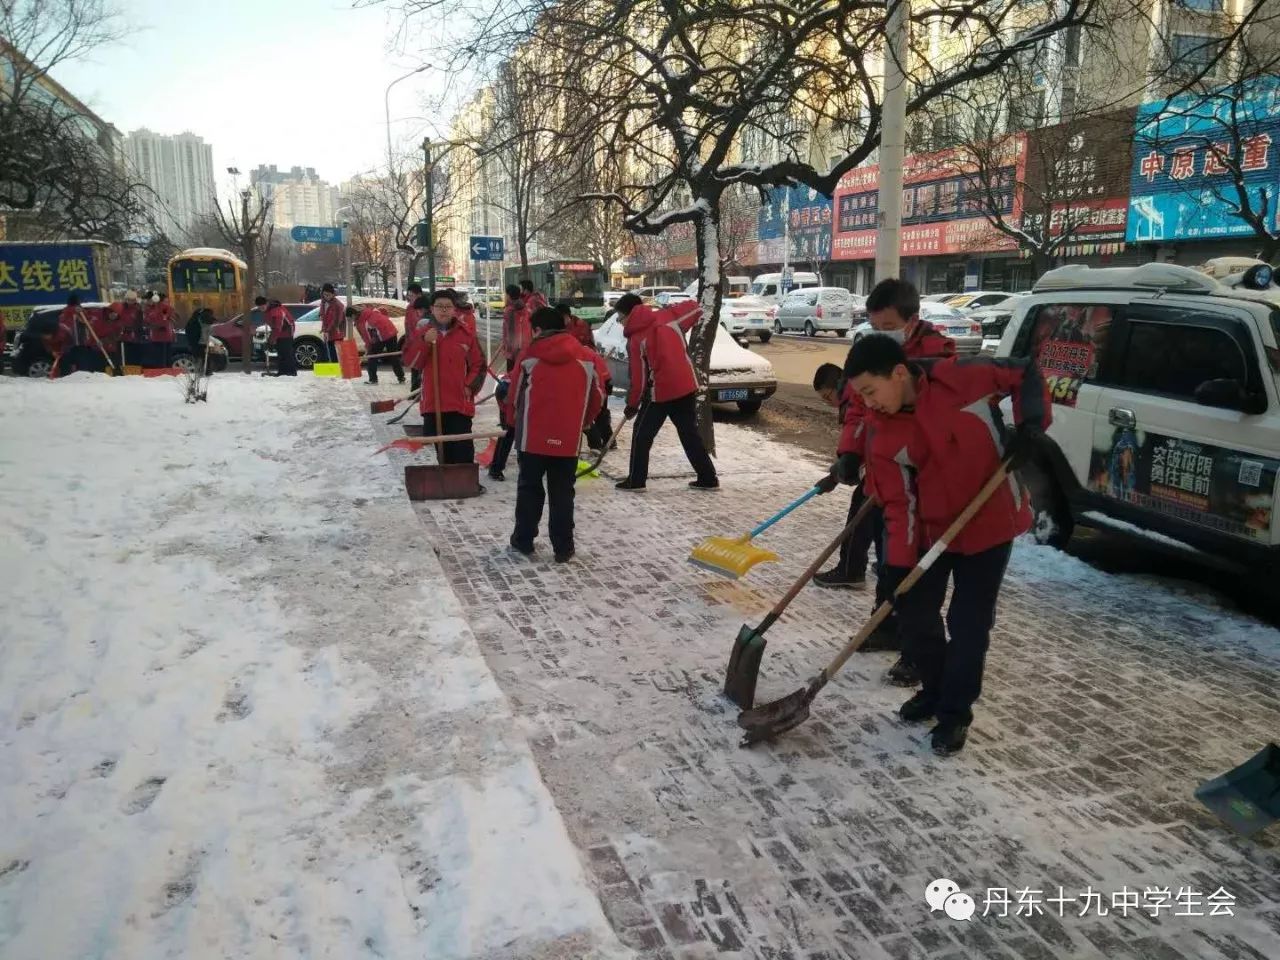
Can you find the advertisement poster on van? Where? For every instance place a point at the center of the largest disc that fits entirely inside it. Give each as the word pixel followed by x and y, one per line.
pixel 1067 341
pixel 1226 490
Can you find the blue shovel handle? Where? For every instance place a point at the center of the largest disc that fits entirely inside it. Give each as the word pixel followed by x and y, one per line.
pixel 809 495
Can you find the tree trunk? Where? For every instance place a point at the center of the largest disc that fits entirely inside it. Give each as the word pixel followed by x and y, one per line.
pixel 1269 247
pixel 703 335
pixel 251 287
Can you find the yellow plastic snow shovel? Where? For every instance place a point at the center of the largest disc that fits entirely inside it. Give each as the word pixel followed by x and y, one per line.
pixel 735 556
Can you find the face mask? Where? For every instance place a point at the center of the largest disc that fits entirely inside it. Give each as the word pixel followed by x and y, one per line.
pixel 897 336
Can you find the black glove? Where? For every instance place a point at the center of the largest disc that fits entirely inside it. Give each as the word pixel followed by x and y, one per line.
pixel 846 468
pixel 1024 443
pixel 828 483
pixel 630 412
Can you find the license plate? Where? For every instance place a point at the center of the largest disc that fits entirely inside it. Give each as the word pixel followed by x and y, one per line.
pixel 733 394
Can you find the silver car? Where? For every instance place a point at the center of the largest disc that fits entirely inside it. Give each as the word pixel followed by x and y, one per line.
pixel 816 308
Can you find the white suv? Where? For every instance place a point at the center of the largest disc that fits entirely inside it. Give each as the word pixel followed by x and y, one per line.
pixel 1166 405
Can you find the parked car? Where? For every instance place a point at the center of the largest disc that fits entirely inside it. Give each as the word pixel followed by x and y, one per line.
pixel 668 297
pixel 940 297
pixel 308 340
pixel 737 375
pixel 611 298
pixel 1166 406
pixel 31 359
pixel 975 299
pixel 231 331
pixel 733 286
pixel 746 316
pixel 994 319
pixel 649 294
pixel 966 333
pixel 812 309
pixel 768 286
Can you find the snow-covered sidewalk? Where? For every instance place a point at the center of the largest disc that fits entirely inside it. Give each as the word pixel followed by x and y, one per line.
pixel 242 713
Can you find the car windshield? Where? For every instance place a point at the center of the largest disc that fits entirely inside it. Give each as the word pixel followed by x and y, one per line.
pixel 311 315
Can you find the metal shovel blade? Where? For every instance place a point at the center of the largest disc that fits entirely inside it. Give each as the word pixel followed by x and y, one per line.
pixel 382 406
pixel 1246 799
pixel 770 719
pixel 744 667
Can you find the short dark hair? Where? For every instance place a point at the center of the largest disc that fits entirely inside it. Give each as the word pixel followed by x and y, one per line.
pixel 527 285
pixel 564 308
pixel 259 301
pixel 420 303
pixel 547 318
pixel 875 354
pixel 415 288
pixel 896 294
pixel 627 302
pixel 513 290
pixel 352 312
pixel 328 288
pixel 73 300
pixel 443 295
pixel 827 377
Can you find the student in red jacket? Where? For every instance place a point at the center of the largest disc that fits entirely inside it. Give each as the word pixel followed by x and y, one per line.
pixel 516 332
pixel 72 341
pixel 462 373
pixel 158 318
pixel 555 393
pixel 132 330
pixel 936 438
pixel 576 327
pixel 663 384
pixel 333 326
pixel 280 320
pixel 533 300
pixel 378 331
pixel 466 311
pixel 417 318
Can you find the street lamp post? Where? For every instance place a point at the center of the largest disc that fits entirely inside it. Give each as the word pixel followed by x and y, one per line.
pixel 386 102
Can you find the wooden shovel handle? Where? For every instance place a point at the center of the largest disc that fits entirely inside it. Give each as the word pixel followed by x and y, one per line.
pixel 814 567
pixel 882 612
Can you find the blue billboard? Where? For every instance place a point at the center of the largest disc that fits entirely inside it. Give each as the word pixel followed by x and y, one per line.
pixel 36 274
pixel 1186 154
pixel 810 214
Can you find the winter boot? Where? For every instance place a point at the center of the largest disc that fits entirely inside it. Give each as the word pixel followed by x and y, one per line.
pixel 837 579
pixel 949 738
pixel 917 709
pixel 713 484
pixel 628 485
pixel 902 674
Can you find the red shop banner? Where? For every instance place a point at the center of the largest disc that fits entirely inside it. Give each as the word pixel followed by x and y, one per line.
pixel 942 206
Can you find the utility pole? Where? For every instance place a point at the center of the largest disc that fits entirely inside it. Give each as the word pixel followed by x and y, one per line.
pixel 893 138
pixel 429 192
pixel 785 284
pixel 250 247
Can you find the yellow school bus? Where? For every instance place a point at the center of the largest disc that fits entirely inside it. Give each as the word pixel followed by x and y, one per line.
pixel 208 277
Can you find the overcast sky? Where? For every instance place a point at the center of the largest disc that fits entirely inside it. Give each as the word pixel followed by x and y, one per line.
pixel 289 82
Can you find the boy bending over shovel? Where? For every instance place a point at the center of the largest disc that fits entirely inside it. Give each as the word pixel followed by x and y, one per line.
pixel 936 438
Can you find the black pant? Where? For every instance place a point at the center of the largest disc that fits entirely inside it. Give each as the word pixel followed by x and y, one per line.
pixel 331 350
pixel 502 451
pixel 652 416
pixel 415 379
pixel 560 474
pixel 455 451
pixel 286 359
pixel 951 671
pixel 601 428
pixel 384 346
pixel 854 550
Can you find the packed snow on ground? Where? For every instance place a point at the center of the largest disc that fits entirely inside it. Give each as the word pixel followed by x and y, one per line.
pixel 241 711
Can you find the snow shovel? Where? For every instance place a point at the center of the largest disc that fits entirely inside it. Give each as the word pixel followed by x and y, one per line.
pixel 592 468
pixel 778 716
pixel 748 649
pixel 734 557
pixel 1246 799
pixel 386 406
pixel 111 364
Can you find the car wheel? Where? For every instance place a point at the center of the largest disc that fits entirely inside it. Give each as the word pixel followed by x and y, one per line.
pixel 809 329
pixel 777 326
pixel 749 408
pixel 307 353
pixel 1051 521
pixel 765 336
pixel 184 362
pixel 39 368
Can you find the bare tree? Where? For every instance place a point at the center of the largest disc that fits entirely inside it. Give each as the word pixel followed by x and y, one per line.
pixel 241 231
pixel 60 166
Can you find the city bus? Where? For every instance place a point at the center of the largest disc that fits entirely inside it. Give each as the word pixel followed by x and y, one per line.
pixel 209 277
pixel 580 282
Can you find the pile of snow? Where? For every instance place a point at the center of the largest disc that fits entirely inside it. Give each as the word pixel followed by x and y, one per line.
pixel 242 712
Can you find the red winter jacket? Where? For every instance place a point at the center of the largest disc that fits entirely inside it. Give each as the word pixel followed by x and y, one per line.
pixel 71 331
pixel 462 370
pixel 467 317
pixel 580 330
pixel 131 327
pixel 280 321
pixel 333 320
pixel 375 326
pixel 923 344
pixel 159 320
pixel 106 326
pixel 657 352
pixel 533 301
pixel 516 330
pixel 929 462
pixel 556 392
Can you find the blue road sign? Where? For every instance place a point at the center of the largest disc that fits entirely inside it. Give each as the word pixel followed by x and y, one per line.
pixel 486 248
pixel 316 234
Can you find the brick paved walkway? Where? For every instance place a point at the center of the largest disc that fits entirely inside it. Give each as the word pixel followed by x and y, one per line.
pixel 1107 701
